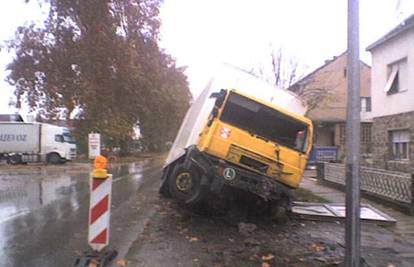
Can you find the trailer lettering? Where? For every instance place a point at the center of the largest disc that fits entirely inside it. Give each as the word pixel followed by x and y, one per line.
pixel 13 137
pixel 21 137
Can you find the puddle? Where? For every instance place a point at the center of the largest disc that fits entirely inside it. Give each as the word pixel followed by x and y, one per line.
pixel 20 194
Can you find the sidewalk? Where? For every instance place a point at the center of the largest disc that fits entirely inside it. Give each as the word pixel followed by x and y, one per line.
pixel 402 232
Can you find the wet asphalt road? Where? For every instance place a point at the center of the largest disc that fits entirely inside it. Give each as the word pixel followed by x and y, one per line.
pixel 44 216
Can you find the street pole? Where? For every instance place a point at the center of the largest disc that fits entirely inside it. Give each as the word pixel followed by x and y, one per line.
pixel 352 227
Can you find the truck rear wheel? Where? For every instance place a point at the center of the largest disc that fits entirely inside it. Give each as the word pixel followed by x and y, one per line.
pixel 183 183
pixel 15 159
pixel 53 158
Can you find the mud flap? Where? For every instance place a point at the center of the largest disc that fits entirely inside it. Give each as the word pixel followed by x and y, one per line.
pixel 95 258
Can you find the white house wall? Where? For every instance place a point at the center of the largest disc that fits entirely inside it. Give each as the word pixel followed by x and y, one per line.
pixel 383 55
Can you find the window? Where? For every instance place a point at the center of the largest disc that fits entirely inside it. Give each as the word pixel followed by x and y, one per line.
pixel 400 141
pixel 342 133
pixel 366 133
pixel 397 77
pixel 366 104
pixel 58 138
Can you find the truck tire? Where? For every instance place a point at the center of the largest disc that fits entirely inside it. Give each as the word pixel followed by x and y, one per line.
pixel 53 158
pixel 15 159
pixel 184 184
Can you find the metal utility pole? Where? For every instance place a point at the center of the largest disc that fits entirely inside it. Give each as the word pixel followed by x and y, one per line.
pixel 352 227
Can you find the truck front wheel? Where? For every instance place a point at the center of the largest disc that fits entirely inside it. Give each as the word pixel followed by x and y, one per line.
pixel 53 158
pixel 183 183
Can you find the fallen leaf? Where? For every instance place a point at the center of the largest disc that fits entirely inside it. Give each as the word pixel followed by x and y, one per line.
pixel 252 258
pixel 193 239
pixel 317 247
pixel 122 263
pixel 321 259
pixel 268 257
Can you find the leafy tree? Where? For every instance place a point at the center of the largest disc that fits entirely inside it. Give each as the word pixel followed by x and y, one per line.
pixel 99 60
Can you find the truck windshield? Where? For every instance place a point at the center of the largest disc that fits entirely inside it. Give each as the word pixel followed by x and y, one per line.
pixel 68 138
pixel 264 122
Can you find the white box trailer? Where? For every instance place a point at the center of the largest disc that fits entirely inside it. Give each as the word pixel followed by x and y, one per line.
pixel 22 142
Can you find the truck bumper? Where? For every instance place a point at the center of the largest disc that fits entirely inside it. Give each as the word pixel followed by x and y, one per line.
pixel 218 173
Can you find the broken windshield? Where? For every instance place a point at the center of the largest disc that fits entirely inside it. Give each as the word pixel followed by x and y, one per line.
pixel 264 122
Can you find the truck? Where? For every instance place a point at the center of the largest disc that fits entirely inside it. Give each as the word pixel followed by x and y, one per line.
pixel 22 142
pixel 232 139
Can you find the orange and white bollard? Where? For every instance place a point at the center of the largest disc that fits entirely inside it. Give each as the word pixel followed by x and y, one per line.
pixel 99 211
pixel 100 188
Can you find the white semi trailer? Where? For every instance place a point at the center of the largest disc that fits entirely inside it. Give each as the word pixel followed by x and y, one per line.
pixel 22 142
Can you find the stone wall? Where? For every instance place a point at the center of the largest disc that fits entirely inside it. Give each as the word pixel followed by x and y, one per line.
pixel 382 146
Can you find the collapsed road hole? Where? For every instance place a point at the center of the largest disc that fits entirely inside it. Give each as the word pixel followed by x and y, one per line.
pixel 233 205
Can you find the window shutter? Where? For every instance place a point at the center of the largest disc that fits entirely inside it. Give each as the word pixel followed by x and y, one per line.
pixel 400 137
pixel 391 79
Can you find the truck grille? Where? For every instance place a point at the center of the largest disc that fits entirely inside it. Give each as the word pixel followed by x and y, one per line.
pixel 248 159
pixel 252 163
pixel 72 153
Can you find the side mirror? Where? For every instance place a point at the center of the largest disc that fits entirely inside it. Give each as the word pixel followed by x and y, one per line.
pixel 219 96
pixel 213 115
pixel 300 139
pixel 215 95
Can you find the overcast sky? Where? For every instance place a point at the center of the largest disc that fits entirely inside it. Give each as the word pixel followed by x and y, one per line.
pixel 200 34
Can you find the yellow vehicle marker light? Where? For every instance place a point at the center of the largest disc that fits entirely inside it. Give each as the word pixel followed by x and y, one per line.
pixel 100 173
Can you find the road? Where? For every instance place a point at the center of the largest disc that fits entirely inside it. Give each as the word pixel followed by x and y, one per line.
pixel 44 213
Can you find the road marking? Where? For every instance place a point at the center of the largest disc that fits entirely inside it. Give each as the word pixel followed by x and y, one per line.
pixel 16 215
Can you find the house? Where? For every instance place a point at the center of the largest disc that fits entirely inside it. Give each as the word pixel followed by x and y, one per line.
pixel 393 98
pixel 325 92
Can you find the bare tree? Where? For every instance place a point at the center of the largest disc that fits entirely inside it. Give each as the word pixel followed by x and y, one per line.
pixel 285 69
pixel 282 70
pixel 313 92
pixel 286 72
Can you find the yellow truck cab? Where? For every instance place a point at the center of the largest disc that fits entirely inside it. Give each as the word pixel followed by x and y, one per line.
pixel 231 139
